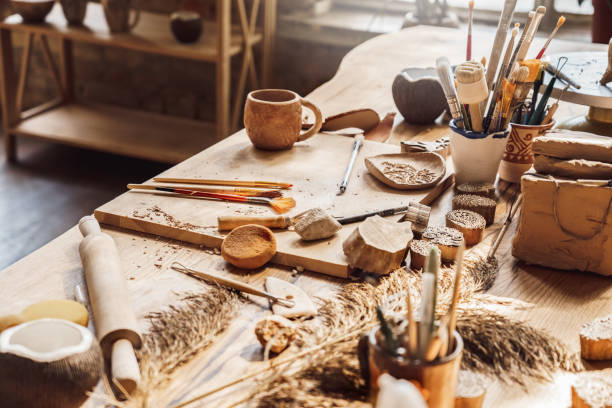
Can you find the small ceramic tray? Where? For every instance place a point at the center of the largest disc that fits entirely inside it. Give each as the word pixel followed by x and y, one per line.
pixel 407 171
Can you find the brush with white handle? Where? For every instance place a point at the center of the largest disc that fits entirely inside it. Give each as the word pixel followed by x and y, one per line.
pixel 444 73
pixel 533 28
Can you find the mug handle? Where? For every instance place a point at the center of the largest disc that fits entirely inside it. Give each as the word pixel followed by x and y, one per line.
pixel 314 129
pixel 136 18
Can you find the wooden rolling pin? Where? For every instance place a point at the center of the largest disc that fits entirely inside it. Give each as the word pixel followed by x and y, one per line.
pixel 116 325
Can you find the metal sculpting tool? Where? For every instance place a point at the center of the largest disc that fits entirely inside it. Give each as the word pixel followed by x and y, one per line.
pixel 356 146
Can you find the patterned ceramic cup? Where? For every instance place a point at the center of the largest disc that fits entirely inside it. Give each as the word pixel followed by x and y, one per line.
pixel 518 156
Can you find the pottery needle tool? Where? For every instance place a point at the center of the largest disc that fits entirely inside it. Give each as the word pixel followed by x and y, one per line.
pixel 553 108
pixel 349 168
pixel 230 283
pixel 416 213
pixel 428 300
pixel 472 90
pixel 538 114
pixel 562 77
pixel 550 37
pixel 500 39
pixel 533 28
pixel 234 183
pixel 444 73
pixel 468 53
pixel 452 313
pixel 280 205
pixel 247 192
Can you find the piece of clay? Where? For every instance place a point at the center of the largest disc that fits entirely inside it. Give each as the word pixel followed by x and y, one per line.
pixel 303 306
pixel 52 309
pixel 275 332
pixel 249 246
pixel 377 245
pixel 418 95
pixel 316 224
pixel 447 239
pixel 607 76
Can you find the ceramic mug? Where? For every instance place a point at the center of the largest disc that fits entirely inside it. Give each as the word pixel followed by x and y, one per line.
pixel 273 118
pixel 117 13
pixel 74 10
pixel 518 155
pixel 476 156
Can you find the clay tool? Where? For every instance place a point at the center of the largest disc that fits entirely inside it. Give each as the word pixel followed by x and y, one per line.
pixel 234 183
pixel 550 37
pixel 280 205
pixel 116 325
pixel 553 108
pixel 283 289
pixel 444 73
pixel 500 77
pixel 564 78
pixel 468 53
pixel 500 39
pixel 531 31
pixel 472 90
pixel 356 146
pixel 48 309
pixel 416 213
pixel 534 96
pixel 512 61
pixel 538 114
pixel 428 300
pixel 247 192
pixel 231 283
pixel 452 313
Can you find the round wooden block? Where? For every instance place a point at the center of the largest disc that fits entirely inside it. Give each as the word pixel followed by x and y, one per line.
pixel 249 246
pixel 469 223
pixel 481 205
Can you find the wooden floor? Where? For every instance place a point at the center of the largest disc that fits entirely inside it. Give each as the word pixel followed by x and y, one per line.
pixel 52 186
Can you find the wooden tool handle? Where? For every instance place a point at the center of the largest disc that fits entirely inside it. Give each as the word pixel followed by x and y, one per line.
pixel 230 222
pixel 89 226
pixel 124 365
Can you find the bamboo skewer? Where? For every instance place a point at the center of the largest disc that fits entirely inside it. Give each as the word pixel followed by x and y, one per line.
pixel 235 183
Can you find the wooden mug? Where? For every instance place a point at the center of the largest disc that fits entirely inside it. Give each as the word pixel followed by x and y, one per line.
pixel 273 118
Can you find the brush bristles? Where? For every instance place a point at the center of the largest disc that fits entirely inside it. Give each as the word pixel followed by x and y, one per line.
pixel 282 204
pixel 444 73
pixel 561 21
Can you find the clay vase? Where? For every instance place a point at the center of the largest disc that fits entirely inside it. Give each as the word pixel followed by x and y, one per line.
pixel 273 118
pixel 518 156
pixel 117 13
pixel 74 10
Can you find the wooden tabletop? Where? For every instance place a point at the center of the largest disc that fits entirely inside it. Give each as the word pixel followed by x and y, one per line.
pixel 563 300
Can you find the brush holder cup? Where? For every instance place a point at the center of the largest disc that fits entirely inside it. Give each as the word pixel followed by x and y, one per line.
pixel 476 156
pixel 518 155
pixel 438 377
pixel 273 118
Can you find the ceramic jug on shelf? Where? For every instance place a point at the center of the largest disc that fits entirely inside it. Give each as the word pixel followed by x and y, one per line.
pixel 117 13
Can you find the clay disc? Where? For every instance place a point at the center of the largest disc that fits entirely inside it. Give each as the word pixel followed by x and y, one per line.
pixel 249 246
pixel 407 171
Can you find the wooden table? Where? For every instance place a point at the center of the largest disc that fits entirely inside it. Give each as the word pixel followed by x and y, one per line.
pixel 563 300
pixel 125 131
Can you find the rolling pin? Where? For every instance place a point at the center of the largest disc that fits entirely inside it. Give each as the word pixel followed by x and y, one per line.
pixel 116 325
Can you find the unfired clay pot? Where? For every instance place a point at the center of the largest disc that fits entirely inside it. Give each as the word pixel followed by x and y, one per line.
pixel 74 10
pixel 117 13
pixel 273 118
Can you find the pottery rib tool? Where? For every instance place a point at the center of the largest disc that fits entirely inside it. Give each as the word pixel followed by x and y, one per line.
pixel 500 39
pixel 416 213
pixel 280 204
pixel 472 90
pixel 550 37
pixel 232 284
pixel 444 73
pixel 247 192
pixel 48 309
pixel 356 146
pixel 468 53
pixel 283 289
pixel 235 183
pixel 531 31
pixel 116 324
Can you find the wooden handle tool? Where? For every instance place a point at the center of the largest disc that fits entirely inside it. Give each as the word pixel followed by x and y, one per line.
pixel 227 223
pixel 472 90
pixel 116 324
pixel 500 39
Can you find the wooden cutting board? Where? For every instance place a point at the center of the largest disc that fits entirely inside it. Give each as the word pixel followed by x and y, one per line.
pixel 315 167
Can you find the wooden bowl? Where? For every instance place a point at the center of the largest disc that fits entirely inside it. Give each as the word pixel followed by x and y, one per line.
pixel 249 246
pixel 407 171
pixel 33 11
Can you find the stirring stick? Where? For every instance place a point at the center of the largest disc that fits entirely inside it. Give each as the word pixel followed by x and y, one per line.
pixel 468 54
pixel 550 37
pixel 533 28
pixel 500 39
pixel 452 320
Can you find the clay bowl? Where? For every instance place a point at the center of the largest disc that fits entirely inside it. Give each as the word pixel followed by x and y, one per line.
pixel 394 170
pixel 33 11
pixel 249 246
pixel 186 26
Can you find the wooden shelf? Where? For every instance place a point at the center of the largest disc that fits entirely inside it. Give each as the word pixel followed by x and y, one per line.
pixel 121 131
pixel 151 35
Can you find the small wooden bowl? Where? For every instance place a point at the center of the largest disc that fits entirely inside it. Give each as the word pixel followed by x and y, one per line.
pixel 33 11
pixel 432 162
pixel 249 246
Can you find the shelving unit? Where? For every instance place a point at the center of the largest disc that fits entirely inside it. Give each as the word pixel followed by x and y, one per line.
pixel 127 131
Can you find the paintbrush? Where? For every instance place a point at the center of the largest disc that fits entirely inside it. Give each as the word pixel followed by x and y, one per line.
pixel 428 300
pixel 280 205
pixel 534 96
pixel 468 53
pixel 550 37
pixel 452 313
pixel 533 28
pixel 472 90
pixel 444 73
pixel 553 109
pixel 500 39
pixel 247 192
pixel 521 88
pixel 538 114
pixel 519 44
pixel 236 183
